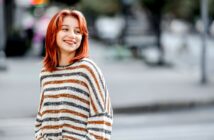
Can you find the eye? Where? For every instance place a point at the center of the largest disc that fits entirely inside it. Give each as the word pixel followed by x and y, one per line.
pixel 64 29
pixel 77 31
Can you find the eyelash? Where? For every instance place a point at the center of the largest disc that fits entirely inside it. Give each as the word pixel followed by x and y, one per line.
pixel 64 29
pixel 75 31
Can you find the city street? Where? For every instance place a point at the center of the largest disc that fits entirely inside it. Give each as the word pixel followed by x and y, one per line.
pixel 156 60
pixel 131 83
pixel 196 124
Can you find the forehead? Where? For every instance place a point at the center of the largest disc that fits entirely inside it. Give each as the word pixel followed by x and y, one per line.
pixel 70 21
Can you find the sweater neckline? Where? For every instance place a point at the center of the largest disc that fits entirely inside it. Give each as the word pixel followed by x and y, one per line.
pixel 65 66
pixel 69 65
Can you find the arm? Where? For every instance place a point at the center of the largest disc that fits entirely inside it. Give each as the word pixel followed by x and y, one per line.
pixel 38 121
pixel 99 125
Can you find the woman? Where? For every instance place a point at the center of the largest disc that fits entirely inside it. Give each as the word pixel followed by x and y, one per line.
pixel 74 101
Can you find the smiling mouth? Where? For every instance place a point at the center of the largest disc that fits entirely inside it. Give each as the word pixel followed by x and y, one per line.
pixel 70 42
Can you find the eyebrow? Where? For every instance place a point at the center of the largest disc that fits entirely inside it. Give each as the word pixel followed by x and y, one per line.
pixel 68 26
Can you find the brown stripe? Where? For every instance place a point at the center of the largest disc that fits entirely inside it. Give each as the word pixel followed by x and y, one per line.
pixel 65 111
pixel 38 125
pixel 93 106
pixel 39 114
pixel 66 81
pixel 93 75
pixel 64 125
pixel 40 138
pixel 98 137
pixel 41 102
pixel 100 122
pixel 67 96
pixel 69 138
pixel 109 109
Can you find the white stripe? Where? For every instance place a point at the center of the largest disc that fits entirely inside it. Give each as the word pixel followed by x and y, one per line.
pixel 59 107
pixel 71 100
pixel 92 94
pixel 75 85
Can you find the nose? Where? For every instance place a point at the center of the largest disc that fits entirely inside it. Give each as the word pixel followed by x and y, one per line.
pixel 71 33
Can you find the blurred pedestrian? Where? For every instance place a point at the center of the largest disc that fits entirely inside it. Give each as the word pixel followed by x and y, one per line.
pixel 74 100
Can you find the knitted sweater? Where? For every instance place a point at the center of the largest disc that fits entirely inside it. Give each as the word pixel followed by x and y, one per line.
pixel 74 104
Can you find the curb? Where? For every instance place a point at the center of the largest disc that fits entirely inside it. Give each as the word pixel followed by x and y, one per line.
pixel 159 107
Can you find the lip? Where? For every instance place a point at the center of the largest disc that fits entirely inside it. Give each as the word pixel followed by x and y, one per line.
pixel 70 42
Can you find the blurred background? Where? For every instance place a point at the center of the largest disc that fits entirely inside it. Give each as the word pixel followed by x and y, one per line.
pixel 157 57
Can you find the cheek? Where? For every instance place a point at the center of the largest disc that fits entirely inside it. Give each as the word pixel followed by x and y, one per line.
pixel 80 39
pixel 58 39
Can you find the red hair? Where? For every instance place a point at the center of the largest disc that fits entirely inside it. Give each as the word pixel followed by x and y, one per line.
pixel 51 60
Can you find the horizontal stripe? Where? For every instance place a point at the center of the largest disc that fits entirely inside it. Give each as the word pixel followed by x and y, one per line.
pixel 79 74
pixel 66 103
pixel 61 126
pixel 74 103
pixel 100 130
pixel 64 119
pixel 67 96
pixel 69 137
pixel 65 111
pixel 99 137
pixel 53 134
pixel 100 122
pixel 102 114
pixel 67 88
pixel 66 81
pixel 38 120
pixel 73 133
pixel 38 125
pixel 85 76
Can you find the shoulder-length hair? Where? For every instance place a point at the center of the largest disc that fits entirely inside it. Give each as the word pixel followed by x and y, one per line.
pixel 51 60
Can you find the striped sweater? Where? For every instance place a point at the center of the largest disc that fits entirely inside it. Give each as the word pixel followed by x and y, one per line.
pixel 74 104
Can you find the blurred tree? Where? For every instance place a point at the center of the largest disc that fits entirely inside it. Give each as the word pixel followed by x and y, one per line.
pixel 101 7
pixel 211 9
pixel 94 8
pixel 183 9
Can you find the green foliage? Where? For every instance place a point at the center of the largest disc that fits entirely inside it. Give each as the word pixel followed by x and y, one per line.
pixel 106 7
pixel 184 9
pixel 211 9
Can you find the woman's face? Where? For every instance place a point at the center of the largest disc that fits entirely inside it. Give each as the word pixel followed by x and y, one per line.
pixel 69 36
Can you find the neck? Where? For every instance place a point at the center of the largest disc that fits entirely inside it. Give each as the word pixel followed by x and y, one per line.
pixel 64 59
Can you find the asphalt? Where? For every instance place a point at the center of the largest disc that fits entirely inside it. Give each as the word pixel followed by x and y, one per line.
pixel 134 86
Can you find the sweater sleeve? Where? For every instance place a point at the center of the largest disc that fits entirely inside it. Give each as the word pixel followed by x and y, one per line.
pixel 38 121
pixel 100 122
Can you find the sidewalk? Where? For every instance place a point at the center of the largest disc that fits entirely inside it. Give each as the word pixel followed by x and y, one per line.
pixel 133 86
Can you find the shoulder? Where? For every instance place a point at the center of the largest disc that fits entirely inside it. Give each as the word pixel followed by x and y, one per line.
pixel 88 62
pixel 91 66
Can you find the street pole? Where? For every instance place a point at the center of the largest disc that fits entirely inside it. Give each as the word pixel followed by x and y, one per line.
pixel 2 37
pixel 204 16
